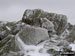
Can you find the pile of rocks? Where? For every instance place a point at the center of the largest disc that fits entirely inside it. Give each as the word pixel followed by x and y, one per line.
pixel 36 27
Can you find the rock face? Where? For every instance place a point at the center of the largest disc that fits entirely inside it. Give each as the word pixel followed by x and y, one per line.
pixel 35 17
pixel 33 35
pixel 71 37
pixel 37 28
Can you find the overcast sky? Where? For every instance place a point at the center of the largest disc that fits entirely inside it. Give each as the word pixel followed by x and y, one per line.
pixel 12 10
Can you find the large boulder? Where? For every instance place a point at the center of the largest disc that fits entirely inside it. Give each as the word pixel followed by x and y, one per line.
pixel 49 31
pixel 62 24
pixel 33 17
pixel 33 35
pixel 59 21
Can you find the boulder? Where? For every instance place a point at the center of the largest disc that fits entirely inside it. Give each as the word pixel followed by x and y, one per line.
pixel 8 44
pixel 48 32
pixel 48 25
pixel 33 17
pixel 33 35
pixel 71 36
pixel 60 22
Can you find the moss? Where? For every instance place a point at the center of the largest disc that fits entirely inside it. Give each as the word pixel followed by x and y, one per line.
pixel 28 21
pixel 11 24
pixel 58 38
pixel 15 32
pixel 1 44
pixel 7 32
pixel 37 13
pixel 4 50
pixel 1 53
pixel 2 28
pixel 8 46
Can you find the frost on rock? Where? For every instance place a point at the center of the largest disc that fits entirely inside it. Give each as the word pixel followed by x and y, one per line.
pixel 31 50
pixel 39 33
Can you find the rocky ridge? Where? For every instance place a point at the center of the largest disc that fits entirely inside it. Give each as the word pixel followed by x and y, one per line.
pixel 37 27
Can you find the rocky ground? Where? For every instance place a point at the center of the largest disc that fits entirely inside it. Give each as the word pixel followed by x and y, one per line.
pixel 51 31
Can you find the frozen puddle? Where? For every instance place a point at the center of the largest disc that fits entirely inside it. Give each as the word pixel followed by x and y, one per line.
pixel 73 47
pixel 31 50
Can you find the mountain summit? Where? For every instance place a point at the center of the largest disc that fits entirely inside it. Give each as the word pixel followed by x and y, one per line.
pixel 38 33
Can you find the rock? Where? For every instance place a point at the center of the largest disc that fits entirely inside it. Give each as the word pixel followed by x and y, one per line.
pixel 33 35
pixel 48 25
pixel 65 34
pixel 1 35
pixel 48 31
pixel 8 44
pixel 17 27
pixel 63 43
pixel 53 52
pixel 2 27
pixel 10 24
pixel 69 26
pixel 60 23
pixel 71 36
pixel 33 17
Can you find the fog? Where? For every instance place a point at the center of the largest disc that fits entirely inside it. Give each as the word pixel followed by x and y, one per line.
pixel 12 10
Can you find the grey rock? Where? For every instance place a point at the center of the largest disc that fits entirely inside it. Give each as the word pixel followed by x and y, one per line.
pixel 8 44
pixel 71 36
pixel 69 26
pixel 33 35
pixel 36 27
pixel 33 17
pixel 60 22
pixel 47 24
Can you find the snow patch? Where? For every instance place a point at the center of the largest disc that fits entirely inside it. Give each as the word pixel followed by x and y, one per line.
pixel 73 47
pixel 31 50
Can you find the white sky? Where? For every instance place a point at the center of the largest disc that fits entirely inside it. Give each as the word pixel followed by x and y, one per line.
pixel 12 10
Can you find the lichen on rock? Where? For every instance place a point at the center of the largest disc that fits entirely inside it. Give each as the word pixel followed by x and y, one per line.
pixel 39 31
